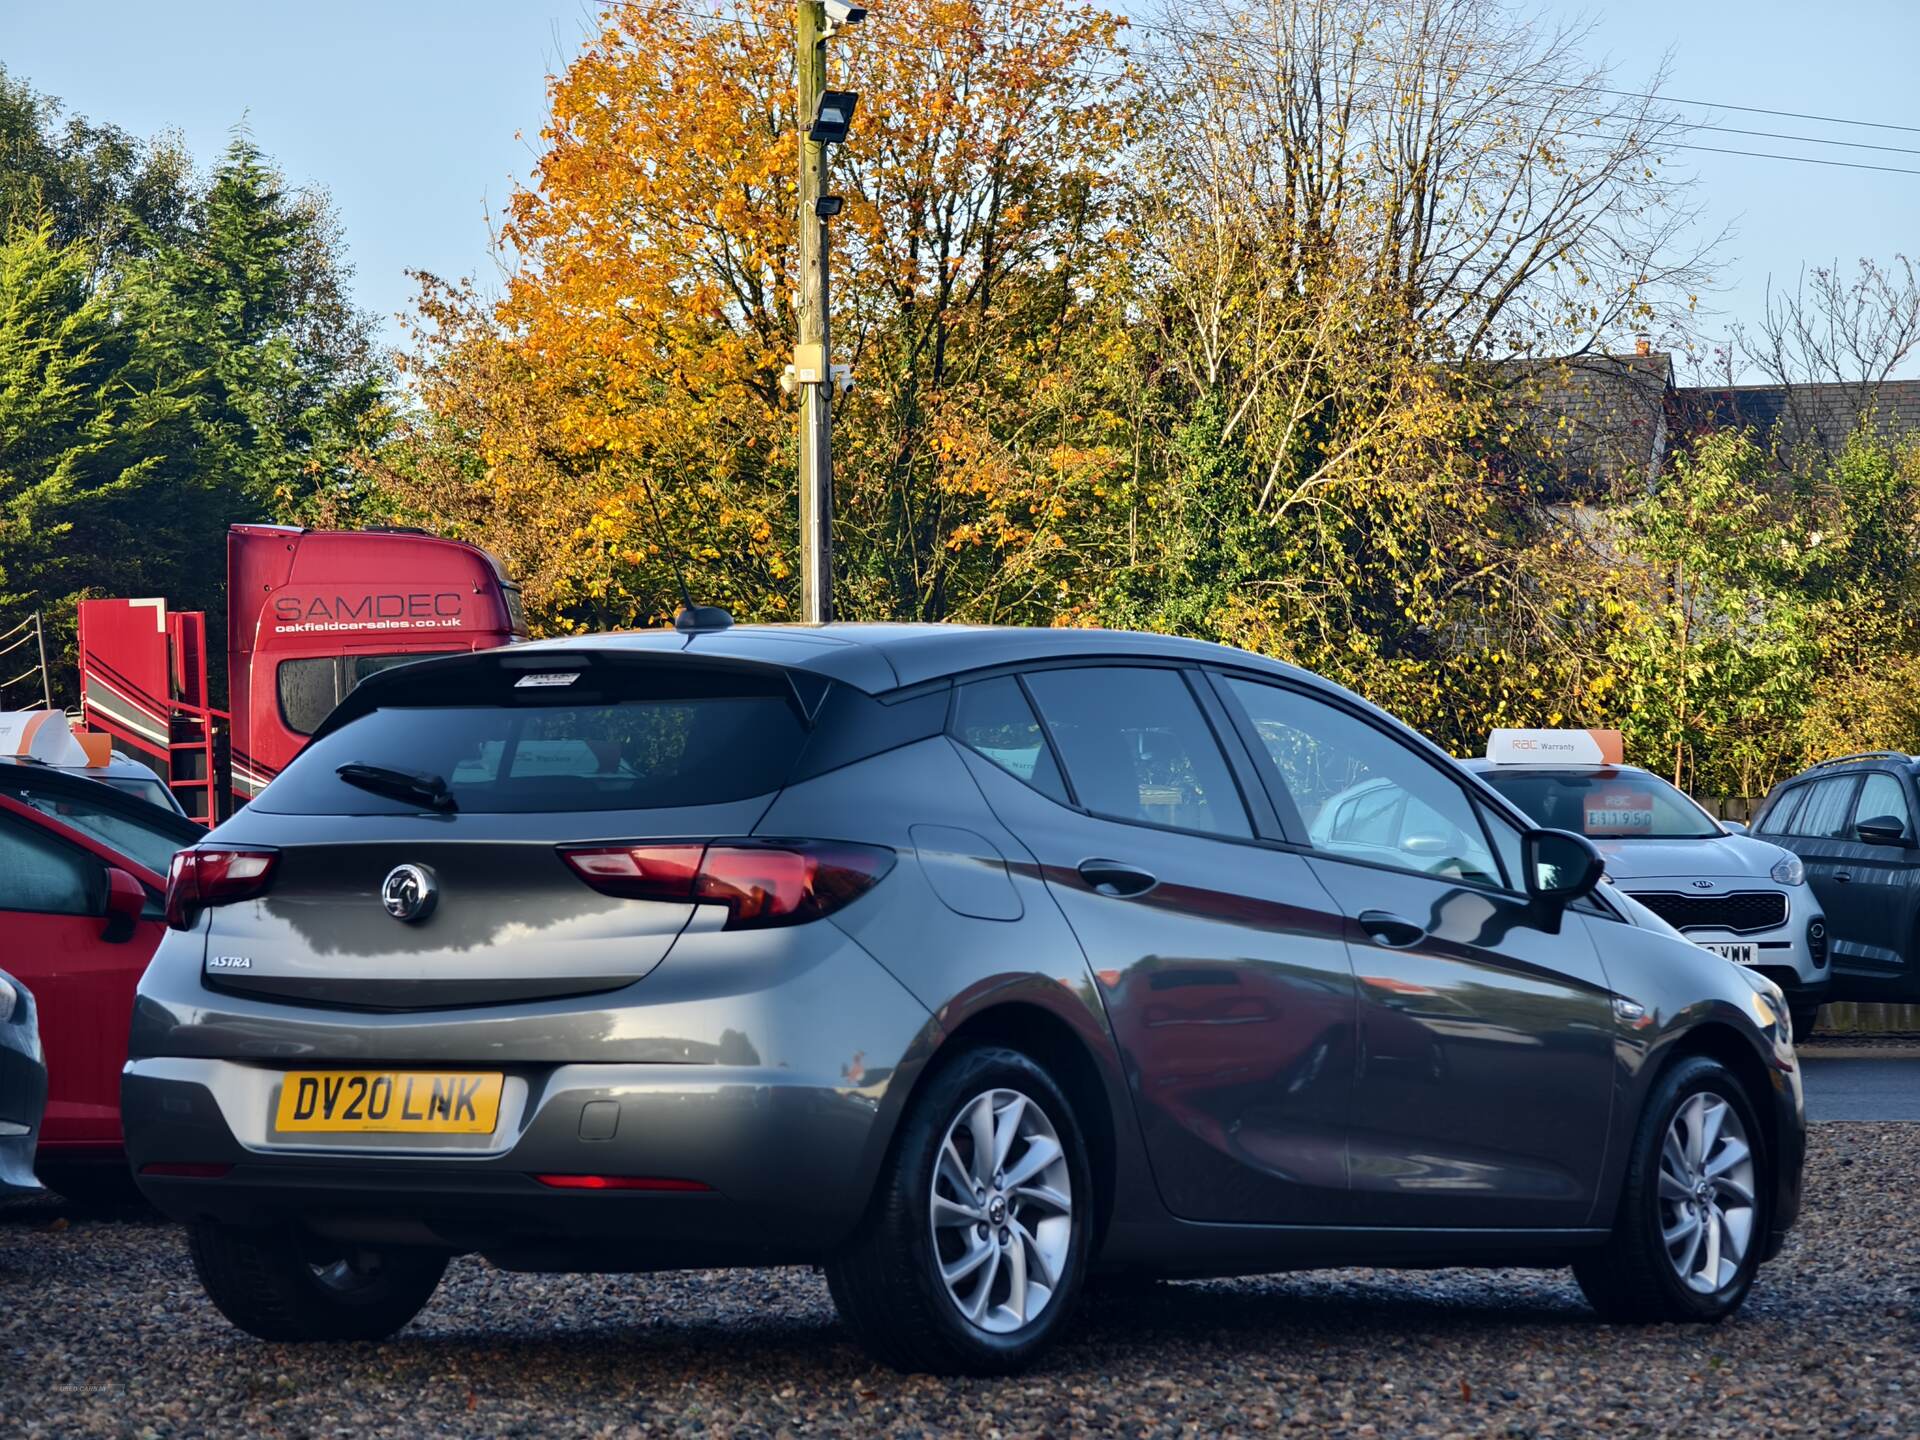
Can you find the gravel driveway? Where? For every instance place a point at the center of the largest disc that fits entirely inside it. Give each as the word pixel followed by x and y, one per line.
pixel 103 1331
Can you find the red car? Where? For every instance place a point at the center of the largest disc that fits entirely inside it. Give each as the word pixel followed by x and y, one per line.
pixel 82 873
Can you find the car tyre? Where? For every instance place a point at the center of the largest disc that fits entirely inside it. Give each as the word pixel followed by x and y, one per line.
pixel 1692 1223
pixel 276 1287
pixel 1804 1017
pixel 906 1285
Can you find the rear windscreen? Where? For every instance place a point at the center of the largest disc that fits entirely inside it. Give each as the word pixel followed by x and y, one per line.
pixel 639 751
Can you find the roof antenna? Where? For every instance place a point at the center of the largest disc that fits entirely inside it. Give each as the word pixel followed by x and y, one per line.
pixel 692 618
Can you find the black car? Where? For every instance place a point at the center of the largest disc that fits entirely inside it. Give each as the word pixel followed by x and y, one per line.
pixel 1851 822
pixel 960 962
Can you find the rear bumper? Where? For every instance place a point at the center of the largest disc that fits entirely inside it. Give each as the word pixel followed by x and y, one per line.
pixel 781 1161
pixel 1790 1132
pixel 771 1074
pixel 23 1100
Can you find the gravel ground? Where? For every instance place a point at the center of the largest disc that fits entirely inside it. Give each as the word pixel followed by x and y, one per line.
pixel 103 1331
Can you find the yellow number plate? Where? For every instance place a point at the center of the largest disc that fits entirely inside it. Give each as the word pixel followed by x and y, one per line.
pixel 390 1101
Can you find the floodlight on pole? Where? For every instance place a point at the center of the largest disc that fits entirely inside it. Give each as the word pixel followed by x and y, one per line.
pixel 833 117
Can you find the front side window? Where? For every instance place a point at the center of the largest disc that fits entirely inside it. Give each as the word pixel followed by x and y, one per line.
pixel 992 719
pixel 1137 747
pixel 1604 804
pixel 1882 797
pixel 1823 815
pixel 1362 795
pixel 42 875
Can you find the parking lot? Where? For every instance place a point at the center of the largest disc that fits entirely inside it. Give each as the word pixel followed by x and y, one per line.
pixel 103 1331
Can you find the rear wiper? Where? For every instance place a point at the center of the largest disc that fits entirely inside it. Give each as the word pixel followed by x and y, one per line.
pixel 429 790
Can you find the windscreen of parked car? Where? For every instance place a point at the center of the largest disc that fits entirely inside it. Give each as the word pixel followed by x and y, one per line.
pixel 1604 804
pixel 153 791
pixel 632 741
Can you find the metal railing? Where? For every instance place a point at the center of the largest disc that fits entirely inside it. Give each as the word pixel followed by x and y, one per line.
pixel 28 632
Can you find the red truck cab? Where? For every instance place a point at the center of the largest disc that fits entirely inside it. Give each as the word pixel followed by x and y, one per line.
pixel 310 613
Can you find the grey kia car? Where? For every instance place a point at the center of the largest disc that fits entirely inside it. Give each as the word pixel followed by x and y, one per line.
pixel 969 965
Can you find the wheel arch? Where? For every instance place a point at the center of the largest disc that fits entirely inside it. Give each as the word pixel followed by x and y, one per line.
pixel 1050 1040
pixel 1714 1040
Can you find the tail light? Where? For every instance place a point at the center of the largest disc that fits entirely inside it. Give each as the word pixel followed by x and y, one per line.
pixel 214 875
pixel 622 1182
pixel 762 885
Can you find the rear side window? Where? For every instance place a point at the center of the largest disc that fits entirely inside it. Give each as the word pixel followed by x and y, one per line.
pixel 643 741
pixel 42 875
pixel 1824 813
pixel 992 719
pixel 1136 747
pixel 308 691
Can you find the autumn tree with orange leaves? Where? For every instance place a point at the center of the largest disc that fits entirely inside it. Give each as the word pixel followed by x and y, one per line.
pixel 616 414
pixel 1199 323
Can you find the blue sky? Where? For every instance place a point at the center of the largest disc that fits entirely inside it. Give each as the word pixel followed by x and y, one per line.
pixel 406 111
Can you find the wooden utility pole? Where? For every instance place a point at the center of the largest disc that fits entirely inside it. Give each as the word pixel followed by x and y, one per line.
pixel 812 363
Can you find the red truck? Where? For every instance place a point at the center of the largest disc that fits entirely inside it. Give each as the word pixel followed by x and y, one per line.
pixel 310 613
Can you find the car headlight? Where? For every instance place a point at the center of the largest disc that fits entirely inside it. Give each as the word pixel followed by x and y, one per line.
pixel 9 1002
pixel 1788 870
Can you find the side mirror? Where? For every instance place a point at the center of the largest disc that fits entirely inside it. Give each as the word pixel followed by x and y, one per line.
pixel 1733 827
pixel 1882 830
pixel 126 899
pixel 1561 866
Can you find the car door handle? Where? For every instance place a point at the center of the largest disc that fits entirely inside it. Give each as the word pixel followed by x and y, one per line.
pixel 1843 876
pixel 1117 878
pixel 1391 930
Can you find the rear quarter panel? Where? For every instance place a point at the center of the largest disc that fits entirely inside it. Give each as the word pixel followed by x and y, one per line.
pixel 920 800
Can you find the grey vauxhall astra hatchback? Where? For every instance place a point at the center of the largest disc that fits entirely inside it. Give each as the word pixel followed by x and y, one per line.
pixel 969 965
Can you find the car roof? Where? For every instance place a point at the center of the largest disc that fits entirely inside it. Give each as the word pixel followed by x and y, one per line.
pixel 116 765
pixel 1870 759
pixel 881 657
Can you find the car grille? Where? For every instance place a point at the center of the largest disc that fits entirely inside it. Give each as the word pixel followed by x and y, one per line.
pixel 1741 911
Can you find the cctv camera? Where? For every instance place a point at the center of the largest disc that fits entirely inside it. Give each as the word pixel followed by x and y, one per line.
pixel 840 13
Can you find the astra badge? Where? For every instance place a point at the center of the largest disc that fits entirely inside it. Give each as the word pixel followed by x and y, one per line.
pixel 408 892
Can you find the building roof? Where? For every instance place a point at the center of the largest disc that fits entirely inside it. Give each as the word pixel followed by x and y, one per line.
pixel 1596 418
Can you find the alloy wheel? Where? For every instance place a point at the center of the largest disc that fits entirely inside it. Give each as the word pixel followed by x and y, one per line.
pixel 346 1274
pixel 1706 1193
pixel 1002 1211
